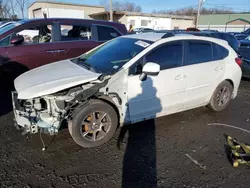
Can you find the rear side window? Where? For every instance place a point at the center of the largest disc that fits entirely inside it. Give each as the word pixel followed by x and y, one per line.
pixel 223 51
pixel 199 52
pixel 167 56
pixel 107 33
pixel 75 32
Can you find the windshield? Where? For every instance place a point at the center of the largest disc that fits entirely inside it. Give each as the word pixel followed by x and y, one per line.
pixel 8 27
pixel 248 38
pixel 109 58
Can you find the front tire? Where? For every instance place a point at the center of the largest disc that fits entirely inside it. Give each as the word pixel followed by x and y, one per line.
pixel 93 124
pixel 221 96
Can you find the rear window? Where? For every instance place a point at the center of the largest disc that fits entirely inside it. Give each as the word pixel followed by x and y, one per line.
pixel 199 52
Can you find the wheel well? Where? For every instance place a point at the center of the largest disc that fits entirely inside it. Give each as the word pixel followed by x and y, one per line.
pixel 231 82
pixel 108 100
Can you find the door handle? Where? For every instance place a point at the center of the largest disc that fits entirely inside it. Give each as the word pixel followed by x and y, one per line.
pixel 60 51
pixel 218 68
pixel 50 51
pixel 55 51
pixel 180 77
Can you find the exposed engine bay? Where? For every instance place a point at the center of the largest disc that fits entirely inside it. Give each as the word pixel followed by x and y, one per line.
pixel 46 113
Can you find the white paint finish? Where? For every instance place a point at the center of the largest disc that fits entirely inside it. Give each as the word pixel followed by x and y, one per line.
pixel 202 79
pixel 52 78
pixel 157 95
pixel 146 36
pixel 179 89
pixel 62 13
pixel 151 68
pixel 156 23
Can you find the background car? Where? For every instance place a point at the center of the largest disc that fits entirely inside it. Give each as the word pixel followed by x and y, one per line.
pixel 28 44
pixel 245 42
pixel 143 30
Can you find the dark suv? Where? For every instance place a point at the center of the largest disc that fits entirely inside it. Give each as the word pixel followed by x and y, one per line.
pixel 28 44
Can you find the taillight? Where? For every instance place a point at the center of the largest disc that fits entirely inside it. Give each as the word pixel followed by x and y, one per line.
pixel 238 61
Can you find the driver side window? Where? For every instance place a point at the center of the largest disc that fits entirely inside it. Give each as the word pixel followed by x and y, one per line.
pixel 168 56
pixel 37 34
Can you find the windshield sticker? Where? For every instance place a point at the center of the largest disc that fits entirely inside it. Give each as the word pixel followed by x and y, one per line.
pixel 142 44
pixel 115 67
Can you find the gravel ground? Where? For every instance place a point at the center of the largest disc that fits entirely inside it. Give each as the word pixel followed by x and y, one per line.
pixel 160 153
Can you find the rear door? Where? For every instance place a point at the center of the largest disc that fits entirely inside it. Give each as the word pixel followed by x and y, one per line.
pixel 36 48
pixel 74 39
pixel 77 39
pixel 205 68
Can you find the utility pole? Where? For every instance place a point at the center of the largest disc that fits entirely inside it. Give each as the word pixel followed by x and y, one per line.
pixel 111 10
pixel 198 12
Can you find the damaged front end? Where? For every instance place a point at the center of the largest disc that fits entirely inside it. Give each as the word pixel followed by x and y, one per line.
pixel 46 113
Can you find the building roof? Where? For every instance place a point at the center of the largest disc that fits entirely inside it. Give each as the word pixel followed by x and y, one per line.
pixel 64 3
pixel 221 19
pixel 144 14
pixel 240 19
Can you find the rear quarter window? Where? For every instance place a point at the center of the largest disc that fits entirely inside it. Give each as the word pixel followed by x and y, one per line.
pixel 223 51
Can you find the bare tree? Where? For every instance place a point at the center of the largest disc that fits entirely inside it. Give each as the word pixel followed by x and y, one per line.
pixel 21 4
pixel 121 6
pixel 5 9
pixel 8 9
pixel 191 11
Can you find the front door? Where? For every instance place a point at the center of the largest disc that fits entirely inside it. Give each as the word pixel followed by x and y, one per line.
pixel 162 94
pixel 36 48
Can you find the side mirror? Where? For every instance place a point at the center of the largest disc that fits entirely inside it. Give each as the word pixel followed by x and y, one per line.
pixel 151 69
pixel 16 40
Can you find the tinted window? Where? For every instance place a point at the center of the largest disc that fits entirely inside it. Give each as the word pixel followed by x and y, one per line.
pixel 37 34
pixel 223 51
pixel 216 53
pixel 75 32
pixel 199 52
pixel 167 56
pixel 5 42
pixel 107 33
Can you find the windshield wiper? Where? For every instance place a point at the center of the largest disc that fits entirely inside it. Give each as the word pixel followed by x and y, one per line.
pixel 86 65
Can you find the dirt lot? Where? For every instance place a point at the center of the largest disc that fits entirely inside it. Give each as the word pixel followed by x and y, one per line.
pixel 157 153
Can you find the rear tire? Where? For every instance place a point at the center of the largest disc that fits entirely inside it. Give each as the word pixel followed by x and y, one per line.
pixel 221 96
pixel 93 124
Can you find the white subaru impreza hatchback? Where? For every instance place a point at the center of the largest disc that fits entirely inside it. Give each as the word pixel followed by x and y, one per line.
pixel 126 80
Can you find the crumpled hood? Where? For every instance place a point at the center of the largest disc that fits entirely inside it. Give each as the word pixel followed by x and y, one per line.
pixel 52 78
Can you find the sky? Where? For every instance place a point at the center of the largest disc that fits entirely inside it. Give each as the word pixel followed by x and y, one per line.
pixel 149 5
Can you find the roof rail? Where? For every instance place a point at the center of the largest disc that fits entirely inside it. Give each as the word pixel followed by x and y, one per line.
pixel 168 35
